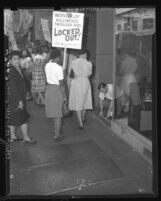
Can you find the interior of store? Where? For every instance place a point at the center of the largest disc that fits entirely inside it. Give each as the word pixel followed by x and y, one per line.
pixel 137 107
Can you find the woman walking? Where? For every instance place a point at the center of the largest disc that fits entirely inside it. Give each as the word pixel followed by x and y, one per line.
pixel 80 98
pixel 18 92
pixel 38 79
pixel 55 95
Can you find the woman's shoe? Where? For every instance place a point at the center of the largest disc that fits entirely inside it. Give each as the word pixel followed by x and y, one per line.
pixel 15 139
pixel 85 121
pixel 80 127
pixel 30 141
pixel 60 132
pixel 109 118
pixel 57 137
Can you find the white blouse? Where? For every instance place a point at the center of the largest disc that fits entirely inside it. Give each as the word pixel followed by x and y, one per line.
pixel 54 73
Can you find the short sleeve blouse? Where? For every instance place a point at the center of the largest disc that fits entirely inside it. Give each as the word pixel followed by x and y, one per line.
pixel 54 73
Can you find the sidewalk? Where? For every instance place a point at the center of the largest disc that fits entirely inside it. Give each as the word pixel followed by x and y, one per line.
pixel 89 162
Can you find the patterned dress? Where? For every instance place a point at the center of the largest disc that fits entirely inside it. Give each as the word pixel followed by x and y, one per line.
pixel 38 85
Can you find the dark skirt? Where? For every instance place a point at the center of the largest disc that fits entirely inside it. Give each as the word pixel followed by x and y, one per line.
pixel 18 117
pixel 39 97
pixel 53 101
pixel 27 79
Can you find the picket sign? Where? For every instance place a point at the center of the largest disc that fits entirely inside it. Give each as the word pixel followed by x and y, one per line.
pixel 12 40
pixel 46 31
pixel 67 31
pixel 8 21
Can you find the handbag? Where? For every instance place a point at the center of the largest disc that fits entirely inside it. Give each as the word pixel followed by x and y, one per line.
pixel 65 110
pixel 71 75
pixel 21 115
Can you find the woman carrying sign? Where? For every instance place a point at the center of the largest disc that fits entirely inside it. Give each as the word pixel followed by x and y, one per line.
pixel 80 98
pixel 55 95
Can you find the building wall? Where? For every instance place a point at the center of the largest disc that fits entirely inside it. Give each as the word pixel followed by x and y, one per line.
pixel 90 36
pixel 104 48
pixel 89 41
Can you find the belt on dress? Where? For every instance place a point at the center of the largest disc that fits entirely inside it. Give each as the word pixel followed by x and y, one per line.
pixel 52 84
pixel 81 77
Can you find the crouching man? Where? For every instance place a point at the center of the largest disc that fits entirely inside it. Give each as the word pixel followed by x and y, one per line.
pixel 106 97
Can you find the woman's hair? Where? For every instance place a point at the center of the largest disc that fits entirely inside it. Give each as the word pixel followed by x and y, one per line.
pixel 55 53
pixel 14 53
pixel 38 50
pixel 28 54
pixel 82 51
pixel 52 49
pixel 101 85
pixel 45 48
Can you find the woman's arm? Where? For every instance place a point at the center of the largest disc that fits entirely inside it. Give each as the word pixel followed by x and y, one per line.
pixel 69 69
pixel 61 84
pixel 61 81
pixel 14 89
pixel 90 69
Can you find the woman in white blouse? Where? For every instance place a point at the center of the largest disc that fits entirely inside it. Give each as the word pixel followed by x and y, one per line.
pixel 54 96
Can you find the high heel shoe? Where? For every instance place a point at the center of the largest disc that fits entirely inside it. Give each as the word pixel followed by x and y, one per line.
pixel 30 141
pixel 15 139
pixel 57 137
pixel 84 121
pixel 80 127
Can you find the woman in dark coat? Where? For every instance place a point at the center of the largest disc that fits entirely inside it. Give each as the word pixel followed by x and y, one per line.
pixel 18 92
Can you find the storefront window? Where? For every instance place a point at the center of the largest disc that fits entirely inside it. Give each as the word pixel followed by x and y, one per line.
pixel 135 25
pixel 133 72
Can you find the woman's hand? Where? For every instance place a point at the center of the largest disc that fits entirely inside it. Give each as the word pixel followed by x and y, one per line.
pixel 20 105
pixel 65 100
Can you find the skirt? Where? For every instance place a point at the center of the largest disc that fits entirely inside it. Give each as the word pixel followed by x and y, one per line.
pixel 18 117
pixel 39 97
pixel 53 101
